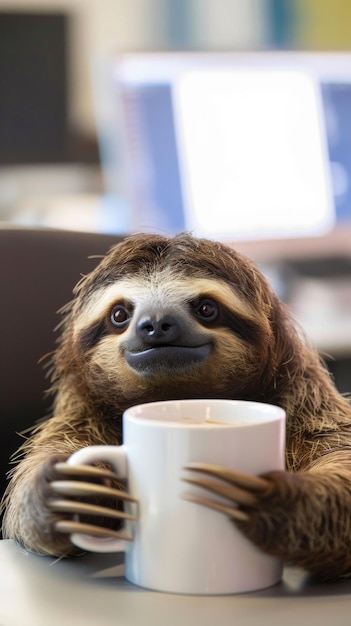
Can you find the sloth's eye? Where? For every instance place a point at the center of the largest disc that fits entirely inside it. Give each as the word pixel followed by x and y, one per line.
pixel 120 316
pixel 207 310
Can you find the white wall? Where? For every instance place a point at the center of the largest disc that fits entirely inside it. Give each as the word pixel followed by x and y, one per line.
pixel 228 24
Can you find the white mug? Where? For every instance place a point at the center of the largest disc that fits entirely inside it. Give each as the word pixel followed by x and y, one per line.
pixel 179 546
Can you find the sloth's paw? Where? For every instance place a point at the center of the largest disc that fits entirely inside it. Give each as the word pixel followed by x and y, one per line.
pixel 237 488
pixel 87 499
pixel 261 506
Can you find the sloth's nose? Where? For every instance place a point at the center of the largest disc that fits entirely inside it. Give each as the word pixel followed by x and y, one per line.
pixel 155 330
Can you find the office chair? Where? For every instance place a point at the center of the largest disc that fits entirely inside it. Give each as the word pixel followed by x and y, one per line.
pixel 38 270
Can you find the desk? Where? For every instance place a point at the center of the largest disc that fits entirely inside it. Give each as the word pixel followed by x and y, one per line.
pixel 90 591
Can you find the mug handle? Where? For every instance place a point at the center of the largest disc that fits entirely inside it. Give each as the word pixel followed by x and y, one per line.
pixel 117 457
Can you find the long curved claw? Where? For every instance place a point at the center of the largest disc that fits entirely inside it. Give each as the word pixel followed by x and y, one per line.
pixel 85 508
pixel 71 526
pixel 86 471
pixel 236 514
pixel 240 479
pixel 237 487
pixel 77 488
pixel 222 489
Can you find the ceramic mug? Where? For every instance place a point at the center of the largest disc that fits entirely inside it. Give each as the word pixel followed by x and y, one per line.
pixel 179 546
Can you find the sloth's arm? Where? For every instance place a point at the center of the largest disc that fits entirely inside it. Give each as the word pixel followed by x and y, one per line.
pixel 302 517
pixel 29 517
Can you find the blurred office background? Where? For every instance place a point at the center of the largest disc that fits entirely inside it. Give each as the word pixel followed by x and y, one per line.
pixel 51 170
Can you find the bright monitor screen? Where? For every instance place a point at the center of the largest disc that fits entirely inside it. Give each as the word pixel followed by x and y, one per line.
pixel 253 150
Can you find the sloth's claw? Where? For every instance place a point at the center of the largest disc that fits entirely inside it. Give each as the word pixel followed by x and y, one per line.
pixel 231 492
pixel 235 513
pixel 70 527
pixel 86 471
pixel 241 479
pixel 85 508
pixel 77 488
pixel 242 489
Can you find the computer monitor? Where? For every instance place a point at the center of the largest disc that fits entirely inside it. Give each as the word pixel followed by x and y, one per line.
pixel 237 146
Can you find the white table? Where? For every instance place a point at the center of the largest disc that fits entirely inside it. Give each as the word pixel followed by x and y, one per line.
pixel 91 591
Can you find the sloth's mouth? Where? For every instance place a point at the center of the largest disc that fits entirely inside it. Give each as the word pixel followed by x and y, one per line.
pixel 166 358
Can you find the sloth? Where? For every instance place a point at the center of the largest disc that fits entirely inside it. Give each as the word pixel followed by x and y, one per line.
pixel 165 318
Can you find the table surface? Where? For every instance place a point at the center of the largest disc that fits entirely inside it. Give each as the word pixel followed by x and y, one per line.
pixel 90 590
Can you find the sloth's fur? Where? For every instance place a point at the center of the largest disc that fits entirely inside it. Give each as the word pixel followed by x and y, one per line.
pixel 252 352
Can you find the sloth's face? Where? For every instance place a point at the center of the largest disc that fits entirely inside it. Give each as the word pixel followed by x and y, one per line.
pixel 164 333
pixel 162 326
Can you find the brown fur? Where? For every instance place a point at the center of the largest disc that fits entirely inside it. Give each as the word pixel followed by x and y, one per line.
pixel 256 354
